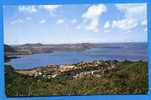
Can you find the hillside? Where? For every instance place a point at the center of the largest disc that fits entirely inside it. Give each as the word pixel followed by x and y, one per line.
pixel 127 78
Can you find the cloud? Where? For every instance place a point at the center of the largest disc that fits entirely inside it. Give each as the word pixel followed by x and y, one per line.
pixel 73 21
pixel 60 21
pixel 28 18
pixel 17 21
pixel 50 7
pixel 91 17
pixel 144 22
pixel 29 9
pixel 34 9
pixel 133 15
pixel 42 21
pixel 107 26
pixel 145 29
pixel 124 24
pixel 78 27
pixel 133 10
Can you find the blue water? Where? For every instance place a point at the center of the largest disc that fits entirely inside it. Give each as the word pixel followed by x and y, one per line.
pixel 138 52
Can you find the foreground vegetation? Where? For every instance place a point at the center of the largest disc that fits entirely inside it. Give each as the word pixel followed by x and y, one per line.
pixel 129 78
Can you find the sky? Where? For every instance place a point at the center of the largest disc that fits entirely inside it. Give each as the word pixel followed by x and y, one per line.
pixel 75 23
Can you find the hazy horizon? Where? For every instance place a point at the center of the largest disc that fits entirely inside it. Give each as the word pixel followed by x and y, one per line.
pixel 78 43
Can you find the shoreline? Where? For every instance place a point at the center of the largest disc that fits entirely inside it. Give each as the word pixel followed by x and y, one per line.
pixel 48 65
pixel 54 70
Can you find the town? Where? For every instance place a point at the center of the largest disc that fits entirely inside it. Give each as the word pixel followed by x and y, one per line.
pixel 95 68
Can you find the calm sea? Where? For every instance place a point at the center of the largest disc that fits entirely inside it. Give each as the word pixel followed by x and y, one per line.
pixel 135 51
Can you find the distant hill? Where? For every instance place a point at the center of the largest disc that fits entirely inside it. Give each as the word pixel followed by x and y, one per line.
pixel 35 44
pixel 9 48
pixel 49 48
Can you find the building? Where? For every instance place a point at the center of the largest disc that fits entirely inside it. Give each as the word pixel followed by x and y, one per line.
pixel 66 68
